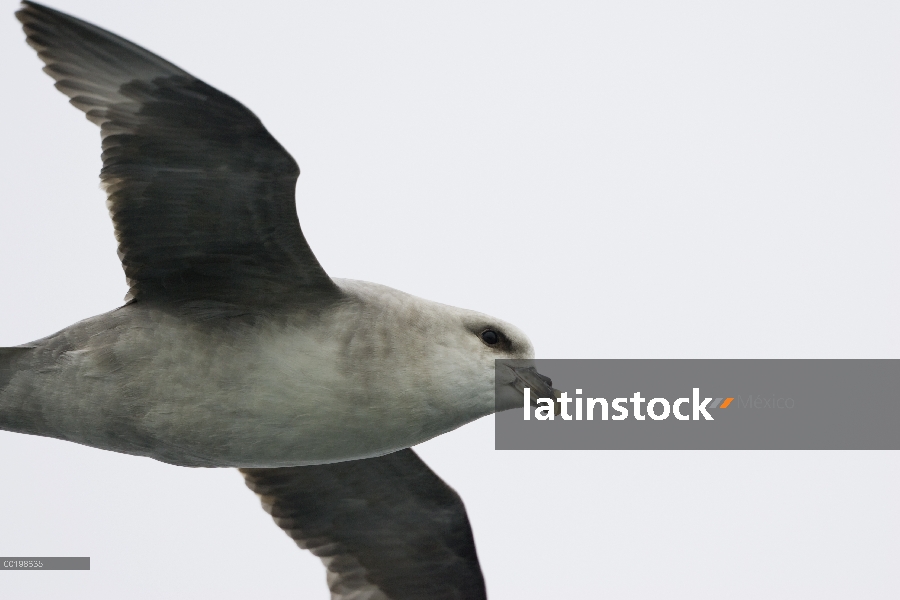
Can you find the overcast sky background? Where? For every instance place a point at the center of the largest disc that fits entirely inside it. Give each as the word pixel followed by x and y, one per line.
pixel 620 180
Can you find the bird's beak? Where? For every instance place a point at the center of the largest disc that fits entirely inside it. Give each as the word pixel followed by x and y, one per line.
pixel 540 386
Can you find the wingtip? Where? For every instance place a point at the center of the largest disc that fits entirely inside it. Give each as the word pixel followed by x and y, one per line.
pixel 29 5
pixel 22 13
pixel 26 6
pixel 32 12
pixel 29 15
pixel 29 11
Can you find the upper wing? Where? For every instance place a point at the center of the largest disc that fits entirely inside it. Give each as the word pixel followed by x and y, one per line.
pixel 387 528
pixel 201 195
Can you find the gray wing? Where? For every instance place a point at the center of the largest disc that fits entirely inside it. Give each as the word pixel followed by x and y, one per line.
pixel 201 195
pixel 387 528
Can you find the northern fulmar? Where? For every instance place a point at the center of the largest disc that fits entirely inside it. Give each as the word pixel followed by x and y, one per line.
pixel 234 347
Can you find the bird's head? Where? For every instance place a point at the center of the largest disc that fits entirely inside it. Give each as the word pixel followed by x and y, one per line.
pixel 435 357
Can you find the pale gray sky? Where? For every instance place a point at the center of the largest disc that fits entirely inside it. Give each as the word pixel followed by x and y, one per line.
pixel 641 179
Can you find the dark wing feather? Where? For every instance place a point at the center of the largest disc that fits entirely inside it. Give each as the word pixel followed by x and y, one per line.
pixel 387 528
pixel 201 195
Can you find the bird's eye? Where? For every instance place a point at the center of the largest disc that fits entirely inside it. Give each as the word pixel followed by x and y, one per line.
pixel 490 337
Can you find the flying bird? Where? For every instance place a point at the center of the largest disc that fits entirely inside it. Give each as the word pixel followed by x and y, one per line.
pixel 234 347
